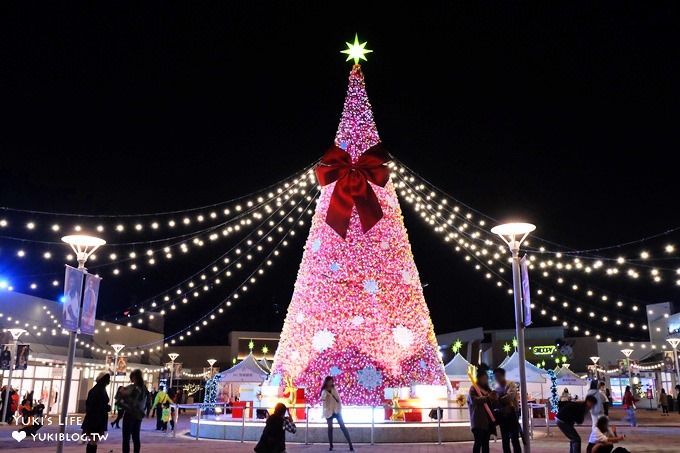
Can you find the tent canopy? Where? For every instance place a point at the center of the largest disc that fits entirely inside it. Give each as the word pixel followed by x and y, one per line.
pixel 567 377
pixel 247 371
pixel 534 374
pixel 457 368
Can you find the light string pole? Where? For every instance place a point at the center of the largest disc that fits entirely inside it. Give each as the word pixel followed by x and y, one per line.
pixel 513 234
pixel 83 246
pixel 16 333
pixel 116 351
pixel 173 356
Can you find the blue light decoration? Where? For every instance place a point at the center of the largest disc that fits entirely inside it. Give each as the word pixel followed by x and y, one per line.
pixel 3 284
pixel 62 299
pixel 553 391
pixel 210 395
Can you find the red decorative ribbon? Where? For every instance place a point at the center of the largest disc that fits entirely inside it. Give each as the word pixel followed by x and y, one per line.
pixel 352 187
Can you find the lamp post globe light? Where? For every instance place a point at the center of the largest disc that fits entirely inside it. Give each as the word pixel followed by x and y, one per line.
pixel 513 234
pixel 211 362
pixel 83 246
pixel 173 356
pixel 16 333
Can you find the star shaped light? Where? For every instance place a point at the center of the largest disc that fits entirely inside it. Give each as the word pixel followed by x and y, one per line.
pixel 515 343
pixel 506 348
pixel 265 349
pixel 251 345
pixel 356 51
pixel 457 345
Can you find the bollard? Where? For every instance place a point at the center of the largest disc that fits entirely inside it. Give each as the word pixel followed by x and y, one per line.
pixel 243 425
pixel 372 425
pixel 439 425
pixel 306 425
pixel 198 419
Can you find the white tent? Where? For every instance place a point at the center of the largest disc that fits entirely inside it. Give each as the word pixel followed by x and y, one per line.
pixel 247 371
pixel 536 377
pixel 570 380
pixel 457 368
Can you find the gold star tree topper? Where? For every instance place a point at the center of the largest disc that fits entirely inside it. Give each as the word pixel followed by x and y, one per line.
pixel 356 51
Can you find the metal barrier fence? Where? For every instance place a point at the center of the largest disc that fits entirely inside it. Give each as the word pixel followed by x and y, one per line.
pixel 202 407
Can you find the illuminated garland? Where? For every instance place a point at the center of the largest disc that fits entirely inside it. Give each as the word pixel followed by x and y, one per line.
pixel 554 400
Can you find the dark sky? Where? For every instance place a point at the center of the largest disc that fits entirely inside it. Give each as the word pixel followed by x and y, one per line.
pixel 565 115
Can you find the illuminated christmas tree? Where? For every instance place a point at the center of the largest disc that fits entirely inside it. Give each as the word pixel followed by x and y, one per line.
pixel 357 311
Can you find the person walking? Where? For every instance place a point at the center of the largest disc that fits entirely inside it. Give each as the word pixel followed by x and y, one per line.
pixel 663 400
pixel 161 398
pixel 573 413
pixel 150 403
pixel 273 438
pixel 598 409
pixel 97 410
pixel 629 405
pixel 602 438
pixel 332 408
pixel 120 411
pixel 480 421
pixel 507 411
pixel 606 397
pixel 134 398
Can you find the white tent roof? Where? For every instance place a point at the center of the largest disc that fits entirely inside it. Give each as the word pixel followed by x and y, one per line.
pixel 511 366
pixel 457 367
pixel 567 377
pixel 246 371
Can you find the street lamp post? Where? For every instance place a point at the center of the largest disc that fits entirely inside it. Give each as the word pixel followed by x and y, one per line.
pixel 674 344
pixel 513 234
pixel 173 356
pixel 16 333
pixel 211 362
pixel 595 359
pixel 627 353
pixel 116 350
pixel 83 246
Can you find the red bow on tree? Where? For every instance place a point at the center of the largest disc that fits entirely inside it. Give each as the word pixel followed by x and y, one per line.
pixel 352 187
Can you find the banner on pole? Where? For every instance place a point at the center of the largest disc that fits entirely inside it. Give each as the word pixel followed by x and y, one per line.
pixel 526 292
pixel 90 297
pixel 73 290
pixel 21 362
pixel 111 364
pixel 5 356
pixel 121 366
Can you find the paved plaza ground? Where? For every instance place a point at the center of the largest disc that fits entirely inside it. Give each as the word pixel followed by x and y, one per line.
pixel 655 434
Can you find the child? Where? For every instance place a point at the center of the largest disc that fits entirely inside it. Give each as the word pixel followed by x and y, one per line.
pixel 165 417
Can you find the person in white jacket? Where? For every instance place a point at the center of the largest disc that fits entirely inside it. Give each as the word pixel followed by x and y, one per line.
pixel 598 410
pixel 331 410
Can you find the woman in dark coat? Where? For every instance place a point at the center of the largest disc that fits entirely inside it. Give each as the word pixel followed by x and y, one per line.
pixel 96 412
pixel 273 439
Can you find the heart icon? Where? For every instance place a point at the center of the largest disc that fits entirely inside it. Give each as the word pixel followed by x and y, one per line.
pixel 19 435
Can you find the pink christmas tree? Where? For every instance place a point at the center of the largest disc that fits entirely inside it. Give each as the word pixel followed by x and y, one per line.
pixel 358 311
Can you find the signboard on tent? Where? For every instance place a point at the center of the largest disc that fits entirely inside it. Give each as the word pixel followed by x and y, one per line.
pixel 73 290
pixel 121 366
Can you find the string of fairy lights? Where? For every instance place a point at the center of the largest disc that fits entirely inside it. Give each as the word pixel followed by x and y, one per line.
pixel 481 255
pixel 182 246
pixel 588 310
pixel 219 309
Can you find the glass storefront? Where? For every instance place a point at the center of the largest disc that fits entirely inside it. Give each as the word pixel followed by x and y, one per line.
pixel 46 383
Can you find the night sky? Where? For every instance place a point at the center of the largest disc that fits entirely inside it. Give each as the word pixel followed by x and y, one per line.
pixel 562 115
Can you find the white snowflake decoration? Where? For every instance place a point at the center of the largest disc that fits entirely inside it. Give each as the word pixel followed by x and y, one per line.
pixel 357 320
pixel 300 317
pixel 323 340
pixel 392 202
pixel 370 286
pixel 335 267
pixel 403 336
pixel 384 245
pixel 316 245
pixel 407 277
pixel 370 378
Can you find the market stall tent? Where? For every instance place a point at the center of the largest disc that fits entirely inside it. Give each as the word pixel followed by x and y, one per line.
pixel 571 381
pixel 244 375
pixel 457 368
pixel 538 382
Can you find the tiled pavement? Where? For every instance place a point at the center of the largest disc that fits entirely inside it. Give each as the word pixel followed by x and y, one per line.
pixel 657 434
